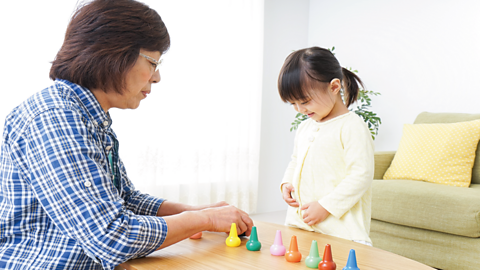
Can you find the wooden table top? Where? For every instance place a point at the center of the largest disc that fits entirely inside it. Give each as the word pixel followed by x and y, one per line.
pixel 211 252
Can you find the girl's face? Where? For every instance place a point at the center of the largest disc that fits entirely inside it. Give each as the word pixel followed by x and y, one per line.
pixel 318 106
pixel 321 105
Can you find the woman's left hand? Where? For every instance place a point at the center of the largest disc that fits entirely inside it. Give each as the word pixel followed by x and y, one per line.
pixel 201 207
pixel 169 208
pixel 314 213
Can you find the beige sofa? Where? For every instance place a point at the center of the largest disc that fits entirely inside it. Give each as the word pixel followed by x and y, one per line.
pixel 435 224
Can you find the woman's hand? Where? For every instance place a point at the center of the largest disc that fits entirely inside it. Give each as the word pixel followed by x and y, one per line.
pixel 314 213
pixel 169 208
pixel 222 217
pixel 287 189
pixel 201 207
pixel 217 217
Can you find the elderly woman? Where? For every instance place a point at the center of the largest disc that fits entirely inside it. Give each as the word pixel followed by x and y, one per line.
pixel 66 201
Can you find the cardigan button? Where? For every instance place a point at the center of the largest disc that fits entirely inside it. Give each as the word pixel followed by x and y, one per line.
pixel 311 138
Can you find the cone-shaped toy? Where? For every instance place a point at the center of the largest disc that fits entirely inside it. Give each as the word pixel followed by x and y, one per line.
pixel 293 255
pixel 327 263
pixel 233 240
pixel 253 244
pixel 313 259
pixel 277 248
pixel 352 261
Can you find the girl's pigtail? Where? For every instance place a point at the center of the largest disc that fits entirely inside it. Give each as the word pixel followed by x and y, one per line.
pixel 350 83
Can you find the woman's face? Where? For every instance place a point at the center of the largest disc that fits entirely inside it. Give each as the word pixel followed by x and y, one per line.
pixel 138 82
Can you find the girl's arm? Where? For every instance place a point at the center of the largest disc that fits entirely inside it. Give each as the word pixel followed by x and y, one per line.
pixel 359 162
pixel 290 171
pixel 286 187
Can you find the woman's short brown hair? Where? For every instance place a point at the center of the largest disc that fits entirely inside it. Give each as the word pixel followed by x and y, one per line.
pixel 103 40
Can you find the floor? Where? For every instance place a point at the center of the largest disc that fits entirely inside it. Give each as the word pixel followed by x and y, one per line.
pixel 272 217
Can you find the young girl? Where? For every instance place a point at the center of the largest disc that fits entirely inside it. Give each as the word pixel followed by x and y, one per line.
pixel 328 181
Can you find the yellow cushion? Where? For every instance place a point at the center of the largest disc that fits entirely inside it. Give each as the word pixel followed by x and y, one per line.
pixel 436 153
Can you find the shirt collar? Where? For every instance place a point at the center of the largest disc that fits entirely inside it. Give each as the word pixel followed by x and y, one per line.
pixel 333 119
pixel 91 104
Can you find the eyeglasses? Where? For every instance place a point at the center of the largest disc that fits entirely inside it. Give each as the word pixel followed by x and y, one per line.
pixel 152 61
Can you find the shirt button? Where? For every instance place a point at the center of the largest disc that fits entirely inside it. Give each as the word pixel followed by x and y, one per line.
pixel 108 148
pixel 88 184
pixel 314 129
pixel 311 138
pixel 105 123
pixel 94 122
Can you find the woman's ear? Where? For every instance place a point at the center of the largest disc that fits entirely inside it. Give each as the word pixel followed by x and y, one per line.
pixel 335 86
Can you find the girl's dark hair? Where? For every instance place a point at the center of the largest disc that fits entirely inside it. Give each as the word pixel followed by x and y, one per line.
pixel 303 69
pixel 103 40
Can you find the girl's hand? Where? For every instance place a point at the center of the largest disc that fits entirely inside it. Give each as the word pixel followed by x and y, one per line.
pixel 314 213
pixel 287 189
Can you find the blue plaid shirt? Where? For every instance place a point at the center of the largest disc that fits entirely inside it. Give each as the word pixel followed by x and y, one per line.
pixel 59 208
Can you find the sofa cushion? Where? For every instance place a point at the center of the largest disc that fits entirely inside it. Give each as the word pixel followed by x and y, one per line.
pixel 430 118
pixel 436 249
pixel 428 206
pixel 437 153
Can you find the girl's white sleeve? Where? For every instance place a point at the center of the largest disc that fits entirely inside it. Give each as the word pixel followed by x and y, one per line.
pixel 290 171
pixel 359 161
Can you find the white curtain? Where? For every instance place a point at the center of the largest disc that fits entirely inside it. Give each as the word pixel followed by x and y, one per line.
pixel 195 139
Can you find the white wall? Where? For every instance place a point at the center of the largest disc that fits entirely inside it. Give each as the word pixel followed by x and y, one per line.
pixel 30 39
pixel 286 30
pixel 421 55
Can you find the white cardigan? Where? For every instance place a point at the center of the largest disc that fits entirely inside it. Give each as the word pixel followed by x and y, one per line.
pixel 333 163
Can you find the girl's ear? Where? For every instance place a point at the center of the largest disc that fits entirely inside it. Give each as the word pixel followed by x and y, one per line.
pixel 335 86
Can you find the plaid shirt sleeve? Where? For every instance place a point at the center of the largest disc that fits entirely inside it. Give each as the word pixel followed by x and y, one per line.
pixel 68 173
pixel 136 201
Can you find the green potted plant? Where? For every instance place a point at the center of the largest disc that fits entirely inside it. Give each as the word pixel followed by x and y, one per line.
pixel 362 109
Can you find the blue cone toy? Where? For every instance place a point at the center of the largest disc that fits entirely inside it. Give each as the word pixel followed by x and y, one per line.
pixel 352 261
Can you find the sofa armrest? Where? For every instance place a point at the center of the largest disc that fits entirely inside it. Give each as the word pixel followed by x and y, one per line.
pixel 382 162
